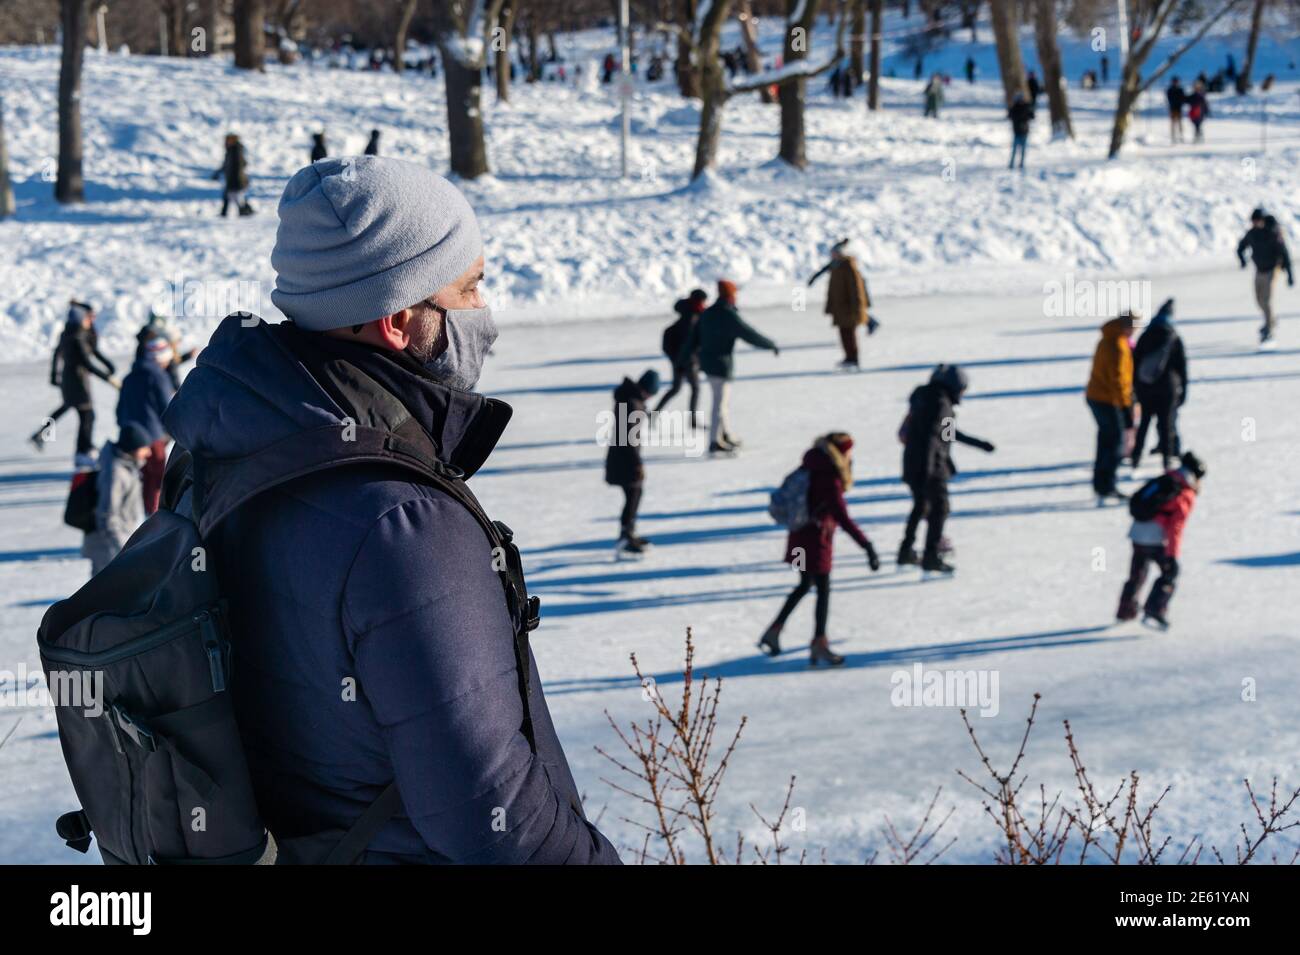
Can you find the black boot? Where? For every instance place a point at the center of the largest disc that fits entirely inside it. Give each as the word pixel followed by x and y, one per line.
pixel 770 643
pixel 820 652
pixel 936 564
pixel 907 555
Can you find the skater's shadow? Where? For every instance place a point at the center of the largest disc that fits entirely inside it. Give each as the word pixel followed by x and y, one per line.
pixel 1265 560
pixel 1095 327
pixel 52 553
pixel 971 474
pixel 1077 389
pixel 36 477
pixel 795 660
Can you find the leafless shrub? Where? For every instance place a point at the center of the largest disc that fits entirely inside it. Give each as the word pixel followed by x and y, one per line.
pixel 672 765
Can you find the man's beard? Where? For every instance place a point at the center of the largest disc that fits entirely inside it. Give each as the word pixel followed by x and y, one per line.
pixel 426 336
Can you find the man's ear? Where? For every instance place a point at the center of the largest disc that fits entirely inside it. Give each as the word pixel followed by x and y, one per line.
pixel 394 331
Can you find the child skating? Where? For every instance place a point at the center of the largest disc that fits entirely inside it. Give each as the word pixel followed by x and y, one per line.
pixel 1160 510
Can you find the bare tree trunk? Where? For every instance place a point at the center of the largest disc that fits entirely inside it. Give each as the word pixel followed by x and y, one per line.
pixel 1006 32
pixel 857 42
pixel 465 118
pixel 404 19
pixel 534 59
pixel 6 191
pixel 712 86
pixel 749 33
pixel 208 24
pixel 798 34
pixel 507 24
pixel 1252 44
pixel 1049 55
pixel 74 16
pixel 873 85
pixel 689 79
pixel 250 19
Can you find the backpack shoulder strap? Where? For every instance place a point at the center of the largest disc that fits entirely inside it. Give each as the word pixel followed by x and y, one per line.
pixel 354 842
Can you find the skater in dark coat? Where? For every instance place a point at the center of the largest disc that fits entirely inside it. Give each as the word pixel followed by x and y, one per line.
pixel 714 339
pixel 810 549
pixel 234 170
pixel 927 435
pixel 1021 115
pixel 318 150
pixel 1269 253
pixel 157 327
pixel 1160 384
pixel 1176 97
pixel 1160 540
pixel 686 365
pixel 76 359
pixel 146 391
pixel 623 465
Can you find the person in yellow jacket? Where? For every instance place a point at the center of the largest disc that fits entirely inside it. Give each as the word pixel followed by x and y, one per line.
pixel 847 300
pixel 1110 398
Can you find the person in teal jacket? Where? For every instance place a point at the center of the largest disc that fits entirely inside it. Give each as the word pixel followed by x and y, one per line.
pixel 713 340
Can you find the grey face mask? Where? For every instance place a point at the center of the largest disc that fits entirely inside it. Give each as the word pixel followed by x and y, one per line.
pixel 470 334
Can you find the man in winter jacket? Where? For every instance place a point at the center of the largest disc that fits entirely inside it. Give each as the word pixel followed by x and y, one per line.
pixel 1160 540
pixel 810 549
pixel 1269 252
pixel 234 169
pixel 1021 114
pixel 686 366
pixel 76 359
pixel 377 643
pixel 1160 384
pixel 1110 398
pixel 927 434
pixel 119 506
pixel 847 300
pixel 623 466
pixel 713 339
pixel 1176 97
pixel 1198 110
pixel 146 391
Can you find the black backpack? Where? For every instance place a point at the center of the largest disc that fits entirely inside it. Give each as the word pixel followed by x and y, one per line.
pixel 139 663
pixel 83 498
pixel 1151 497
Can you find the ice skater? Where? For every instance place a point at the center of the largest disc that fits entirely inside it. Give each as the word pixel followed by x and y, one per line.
pixel 713 339
pixel 623 465
pixel 1021 114
pixel 1176 97
pixel 1110 399
pixel 1160 510
pixel 927 434
pixel 76 359
pixel 826 473
pixel 1269 252
pixel 1160 384
pixel 847 300
pixel 234 169
pixel 686 366
pixel 119 504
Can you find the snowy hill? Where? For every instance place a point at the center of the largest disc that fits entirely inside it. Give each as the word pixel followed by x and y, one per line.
pixel 931 202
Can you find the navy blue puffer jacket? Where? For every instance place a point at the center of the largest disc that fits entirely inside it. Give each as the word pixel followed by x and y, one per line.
pixel 371 636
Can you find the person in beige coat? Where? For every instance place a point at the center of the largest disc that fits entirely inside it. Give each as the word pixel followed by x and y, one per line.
pixel 847 300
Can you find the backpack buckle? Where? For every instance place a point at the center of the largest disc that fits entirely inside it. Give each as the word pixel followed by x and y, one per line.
pixel 74 829
pixel 532 615
pixel 134 730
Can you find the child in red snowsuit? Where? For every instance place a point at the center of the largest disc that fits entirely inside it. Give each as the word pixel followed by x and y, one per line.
pixel 1160 539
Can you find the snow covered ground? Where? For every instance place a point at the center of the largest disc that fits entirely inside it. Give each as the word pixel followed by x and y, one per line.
pixel 1027 604
pixel 930 202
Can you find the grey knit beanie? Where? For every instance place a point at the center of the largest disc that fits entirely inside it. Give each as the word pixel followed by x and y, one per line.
pixel 361 237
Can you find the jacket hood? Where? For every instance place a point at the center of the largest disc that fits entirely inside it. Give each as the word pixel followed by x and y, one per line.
pixel 1116 328
pixel 824 457
pixel 253 386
